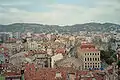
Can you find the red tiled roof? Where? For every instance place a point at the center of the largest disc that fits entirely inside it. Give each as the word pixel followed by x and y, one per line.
pixel 12 73
pixel 3 47
pixel 50 73
pixel 44 73
pixel 95 75
pixel 87 45
pixel 83 72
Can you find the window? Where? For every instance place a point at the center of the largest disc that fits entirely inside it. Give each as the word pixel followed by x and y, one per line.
pixel 85 53
pixel 93 59
pixel 85 59
pixel 98 59
pixel 88 64
pixel 98 64
pixel 91 65
pixel 90 59
pixel 98 53
pixel 90 53
pixel 93 53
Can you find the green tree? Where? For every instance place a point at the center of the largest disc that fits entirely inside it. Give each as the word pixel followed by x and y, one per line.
pixel 108 56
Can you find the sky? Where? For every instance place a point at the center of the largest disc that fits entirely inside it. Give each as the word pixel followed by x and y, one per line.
pixel 59 12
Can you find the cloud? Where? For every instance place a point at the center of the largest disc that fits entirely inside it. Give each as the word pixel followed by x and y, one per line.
pixel 15 3
pixel 64 14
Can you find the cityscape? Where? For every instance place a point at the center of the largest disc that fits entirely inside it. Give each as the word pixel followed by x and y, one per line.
pixel 37 45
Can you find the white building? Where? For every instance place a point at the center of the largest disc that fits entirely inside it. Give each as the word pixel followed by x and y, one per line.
pixel 32 45
pixel 56 58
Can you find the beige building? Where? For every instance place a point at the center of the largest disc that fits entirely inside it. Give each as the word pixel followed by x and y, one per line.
pixel 55 58
pixel 90 56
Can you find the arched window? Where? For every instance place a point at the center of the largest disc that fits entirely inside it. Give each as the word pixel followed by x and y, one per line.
pixel 85 59
pixel 90 59
pixel 98 53
pixel 95 59
pixel 93 65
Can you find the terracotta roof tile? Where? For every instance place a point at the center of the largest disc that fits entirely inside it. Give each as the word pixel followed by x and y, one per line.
pixel 50 73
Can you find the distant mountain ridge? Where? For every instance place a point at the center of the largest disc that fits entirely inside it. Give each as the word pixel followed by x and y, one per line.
pixel 21 27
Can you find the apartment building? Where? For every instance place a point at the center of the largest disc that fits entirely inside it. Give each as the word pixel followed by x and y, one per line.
pixel 90 55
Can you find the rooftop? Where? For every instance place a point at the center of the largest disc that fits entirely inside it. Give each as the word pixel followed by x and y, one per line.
pixel 85 46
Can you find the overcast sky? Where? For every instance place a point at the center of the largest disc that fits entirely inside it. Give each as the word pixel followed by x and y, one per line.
pixel 61 12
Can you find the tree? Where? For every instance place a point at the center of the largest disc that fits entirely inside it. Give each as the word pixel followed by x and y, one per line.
pixel 108 56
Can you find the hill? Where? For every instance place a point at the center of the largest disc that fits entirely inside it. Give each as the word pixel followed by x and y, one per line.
pixel 21 27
